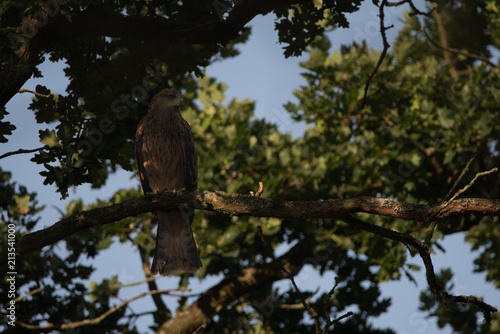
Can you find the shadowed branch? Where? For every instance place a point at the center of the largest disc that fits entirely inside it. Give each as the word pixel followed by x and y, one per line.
pixel 245 205
pixel 100 318
pixel 48 27
pixel 240 283
pixel 22 151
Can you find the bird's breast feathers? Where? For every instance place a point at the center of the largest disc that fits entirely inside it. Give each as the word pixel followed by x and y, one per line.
pixel 167 151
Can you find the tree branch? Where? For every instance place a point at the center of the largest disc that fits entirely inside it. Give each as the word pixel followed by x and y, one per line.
pixel 385 43
pixel 29 294
pixel 386 46
pixel 100 318
pixel 424 252
pixel 464 189
pixel 22 151
pixel 459 52
pixel 326 309
pixel 443 38
pixel 245 205
pixel 163 313
pixel 53 28
pixel 238 284
pixel 201 312
pixel 25 90
pixel 460 177
pixel 26 46
pixel 406 239
pixel 486 308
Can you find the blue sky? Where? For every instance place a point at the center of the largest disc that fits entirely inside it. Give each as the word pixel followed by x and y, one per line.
pixel 260 73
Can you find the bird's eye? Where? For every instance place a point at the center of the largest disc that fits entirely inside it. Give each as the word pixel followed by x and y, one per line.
pixel 171 96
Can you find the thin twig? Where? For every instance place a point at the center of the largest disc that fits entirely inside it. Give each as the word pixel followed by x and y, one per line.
pixel 259 191
pixel 24 90
pixel 138 315
pixel 21 151
pixel 465 170
pixel 464 189
pixel 294 306
pixel 326 308
pixel 429 232
pixel 348 314
pixel 312 312
pixel 445 204
pixel 486 308
pixel 432 226
pixel 118 286
pixel 396 4
pixel 382 54
pixel 290 275
pixel 29 294
pixel 416 11
pixel 459 52
pixel 100 318
pixel 386 44
pixel 328 298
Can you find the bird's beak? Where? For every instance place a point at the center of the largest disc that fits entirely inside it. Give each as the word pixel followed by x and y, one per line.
pixel 181 105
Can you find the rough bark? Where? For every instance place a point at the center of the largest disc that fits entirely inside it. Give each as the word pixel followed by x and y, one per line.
pixel 244 205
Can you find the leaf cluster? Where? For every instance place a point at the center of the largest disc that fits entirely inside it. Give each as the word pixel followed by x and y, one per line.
pixel 412 141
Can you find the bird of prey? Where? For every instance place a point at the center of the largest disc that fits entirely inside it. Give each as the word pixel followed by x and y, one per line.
pixel 166 160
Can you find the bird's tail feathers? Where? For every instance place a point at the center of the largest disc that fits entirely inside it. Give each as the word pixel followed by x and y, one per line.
pixel 175 245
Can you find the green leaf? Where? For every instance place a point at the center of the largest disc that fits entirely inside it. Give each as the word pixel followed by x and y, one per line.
pixel 6 127
pixel 49 138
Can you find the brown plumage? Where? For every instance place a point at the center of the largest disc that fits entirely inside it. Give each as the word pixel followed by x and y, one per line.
pixel 166 159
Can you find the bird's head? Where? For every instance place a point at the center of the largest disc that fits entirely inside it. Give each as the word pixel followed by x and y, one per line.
pixel 167 98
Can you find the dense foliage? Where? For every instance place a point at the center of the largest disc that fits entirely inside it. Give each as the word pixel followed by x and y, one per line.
pixel 428 112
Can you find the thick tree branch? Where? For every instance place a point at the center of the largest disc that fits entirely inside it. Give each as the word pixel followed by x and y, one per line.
pixel 26 55
pixel 99 22
pixel 245 205
pixel 52 28
pixel 238 284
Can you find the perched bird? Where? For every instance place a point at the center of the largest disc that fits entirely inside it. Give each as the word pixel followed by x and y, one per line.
pixel 166 160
